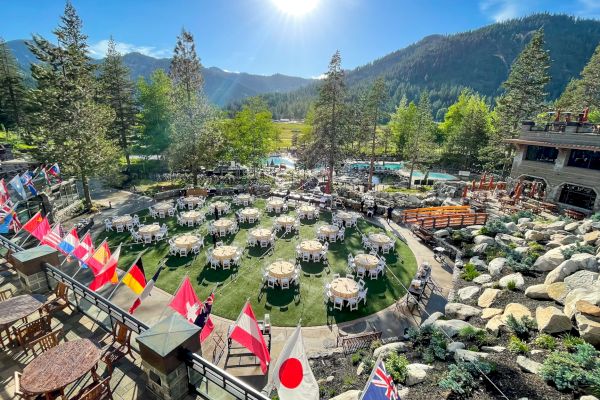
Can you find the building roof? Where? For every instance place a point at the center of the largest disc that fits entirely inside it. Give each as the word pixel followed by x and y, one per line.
pixel 554 144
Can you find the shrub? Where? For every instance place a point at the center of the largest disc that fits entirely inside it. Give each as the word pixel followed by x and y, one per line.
pixel 429 341
pixel 396 364
pixel 517 346
pixel 357 357
pixel 461 378
pixel 375 344
pixel 572 371
pixel 545 341
pixel 349 381
pixel 472 334
pixel 469 272
pixel 511 285
pixel 578 248
pixel 571 342
pixel 493 227
pixel 521 327
pixel 596 217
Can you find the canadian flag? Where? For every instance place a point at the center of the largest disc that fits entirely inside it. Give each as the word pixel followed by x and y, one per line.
pixel 186 302
pixel 247 333
pixel 292 375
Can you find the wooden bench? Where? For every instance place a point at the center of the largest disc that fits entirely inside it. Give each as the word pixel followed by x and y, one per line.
pixel 350 344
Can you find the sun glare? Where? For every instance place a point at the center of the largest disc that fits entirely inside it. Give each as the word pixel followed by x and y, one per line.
pixel 296 7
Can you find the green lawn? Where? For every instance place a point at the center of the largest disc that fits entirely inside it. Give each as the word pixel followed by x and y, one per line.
pixel 231 291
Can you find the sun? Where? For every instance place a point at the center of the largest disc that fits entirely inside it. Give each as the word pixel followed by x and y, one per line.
pixel 296 8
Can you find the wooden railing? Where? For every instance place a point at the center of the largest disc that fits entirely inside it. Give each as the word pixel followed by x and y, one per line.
pixel 411 215
pixel 454 220
pixel 350 344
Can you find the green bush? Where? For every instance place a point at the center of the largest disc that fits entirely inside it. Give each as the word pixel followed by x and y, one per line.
pixel 578 248
pixel 517 346
pixel 493 227
pixel 396 364
pixel 511 285
pixel 357 357
pixel 521 327
pixel 430 342
pixel 472 334
pixel 545 341
pixel 571 342
pixel 573 371
pixel 596 217
pixel 469 272
pixel 462 378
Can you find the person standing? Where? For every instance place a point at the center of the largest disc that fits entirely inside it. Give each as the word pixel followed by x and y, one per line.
pixel 216 213
pixel 362 206
pixel 215 239
pixel 390 210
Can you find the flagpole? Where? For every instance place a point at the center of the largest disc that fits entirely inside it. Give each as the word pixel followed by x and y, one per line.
pixel 362 394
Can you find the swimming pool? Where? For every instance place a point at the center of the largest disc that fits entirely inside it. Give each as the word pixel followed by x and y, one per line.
pixel 278 160
pixel 437 176
pixel 389 166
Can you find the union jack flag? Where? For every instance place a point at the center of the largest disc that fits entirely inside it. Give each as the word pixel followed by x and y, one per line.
pixel 380 385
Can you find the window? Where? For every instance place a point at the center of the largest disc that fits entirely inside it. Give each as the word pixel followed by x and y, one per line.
pixel 577 196
pixel 542 154
pixel 584 159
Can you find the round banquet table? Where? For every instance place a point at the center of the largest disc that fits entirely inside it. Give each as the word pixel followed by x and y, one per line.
pixel 186 241
pixel 223 253
pixel 367 261
pixel 149 229
pixel 122 220
pixel 311 246
pixel 345 288
pixel 281 269
pixel 249 212
pixel 285 220
pixel 346 216
pixel 243 198
pixel 223 223
pixel 329 230
pixel 379 239
pixel 192 200
pixel 194 216
pixel 275 203
pixel 59 366
pixel 260 233
pixel 15 308
pixel 307 210
pixel 219 205
pixel 163 207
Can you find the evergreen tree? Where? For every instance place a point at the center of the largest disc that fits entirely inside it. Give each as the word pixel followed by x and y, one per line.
pixel 70 126
pixel 524 97
pixel 186 70
pixel 12 91
pixel 585 91
pixel 377 97
pixel 154 98
pixel 117 92
pixel 330 120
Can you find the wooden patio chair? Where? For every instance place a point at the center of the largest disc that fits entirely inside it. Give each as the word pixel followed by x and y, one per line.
pixel 47 341
pixel 5 294
pixel 60 300
pixel 29 332
pixel 95 391
pixel 119 346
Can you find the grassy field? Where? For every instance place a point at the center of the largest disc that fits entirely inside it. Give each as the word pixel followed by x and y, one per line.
pixel 286 131
pixel 232 290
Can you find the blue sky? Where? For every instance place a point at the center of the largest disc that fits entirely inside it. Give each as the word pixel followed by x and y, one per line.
pixel 262 37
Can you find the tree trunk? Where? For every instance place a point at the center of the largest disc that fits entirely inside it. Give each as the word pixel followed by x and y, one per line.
pixel 87 197
pixel 412 168
pixel 370 185
pixel 195 177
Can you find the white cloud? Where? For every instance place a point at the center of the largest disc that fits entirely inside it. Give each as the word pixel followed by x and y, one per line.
pixel 98 49
pixel 322 76
pixel 501 10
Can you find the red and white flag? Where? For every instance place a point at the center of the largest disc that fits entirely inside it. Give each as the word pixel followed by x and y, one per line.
pixel 108 273
pixel 185 301
pixel 292 375
pixel 247 333
pixel 85 249
pixel 53 238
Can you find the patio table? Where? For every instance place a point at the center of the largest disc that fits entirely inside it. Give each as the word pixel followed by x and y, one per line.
pixel 281 269
pixel 59 366
pixel 347 217
pixel 345 288
pixel 313 247
pixel 18 307
pixel 149 230
pixel 223 253
pixel 186 241
pixel 243 198
pixel 285 220
pixel 329 230
pixel 260 233
pixel 122 220
pixel 306 210
pixel 194 216
pixel 367 261
pixel 219 205
pixel 379 239
pixel 223 223
pixel 192 200
pixel 164 207
pixel 249 213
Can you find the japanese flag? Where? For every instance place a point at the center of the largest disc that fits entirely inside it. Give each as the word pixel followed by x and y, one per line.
pixel 292 375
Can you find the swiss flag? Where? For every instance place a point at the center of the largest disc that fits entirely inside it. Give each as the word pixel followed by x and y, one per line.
pixel 185 301
pixel 292 375
pixel 247 333
pixel 108 274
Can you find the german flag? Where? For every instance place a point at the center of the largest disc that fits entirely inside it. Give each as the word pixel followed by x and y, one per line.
pixel 135 278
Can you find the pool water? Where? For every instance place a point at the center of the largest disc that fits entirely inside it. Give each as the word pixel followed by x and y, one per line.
pixel 390 166
pixel 440 176
pixel 277 160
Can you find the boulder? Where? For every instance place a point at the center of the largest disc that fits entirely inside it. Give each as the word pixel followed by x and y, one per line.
pixel 588 397
pixel 483 278
pixel 488 313
pixel 581 279
pixel 453 346
pixel 451 326
pixel 591 237
pixel 585 227
pixel 493 349
pixel 521 250
pixel 558 292
pixel 487 297
pixel 528 365
pixel 589 328
pixel 577 262
pixel 572 226
pixel 556 225
pixel 396 347
pixel 479 248
pixel 349 395
pixel 511 226
pixel 537 292
pixel 432 318
pixel 442 233
pixel 496 266
pixel 468 292
pixel 494 324
pixel 516 310
pixel 416 373
pixel 569 239
pixel 517 278
pixel 468 355
pixel 505 239
pixel 535 236
pixel 523 220
pixel 479 264
pixel 479 239
pixel 461 311
pixel 552 320
pixel 585 307
pixel 590 294
pixel 549 260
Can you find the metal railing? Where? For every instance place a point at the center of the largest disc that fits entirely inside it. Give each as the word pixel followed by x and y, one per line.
pixel 219 379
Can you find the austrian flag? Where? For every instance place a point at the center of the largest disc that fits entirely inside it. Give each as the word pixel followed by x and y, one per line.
pixel 247 333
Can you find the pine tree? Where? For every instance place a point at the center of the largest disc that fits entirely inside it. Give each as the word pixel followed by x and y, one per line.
pixel 186 69
pixel 117 92
pixel 524 97
pixel 12 91
pixel 70 126
pixel 377 97
pixel 154 97
pixel 585 91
